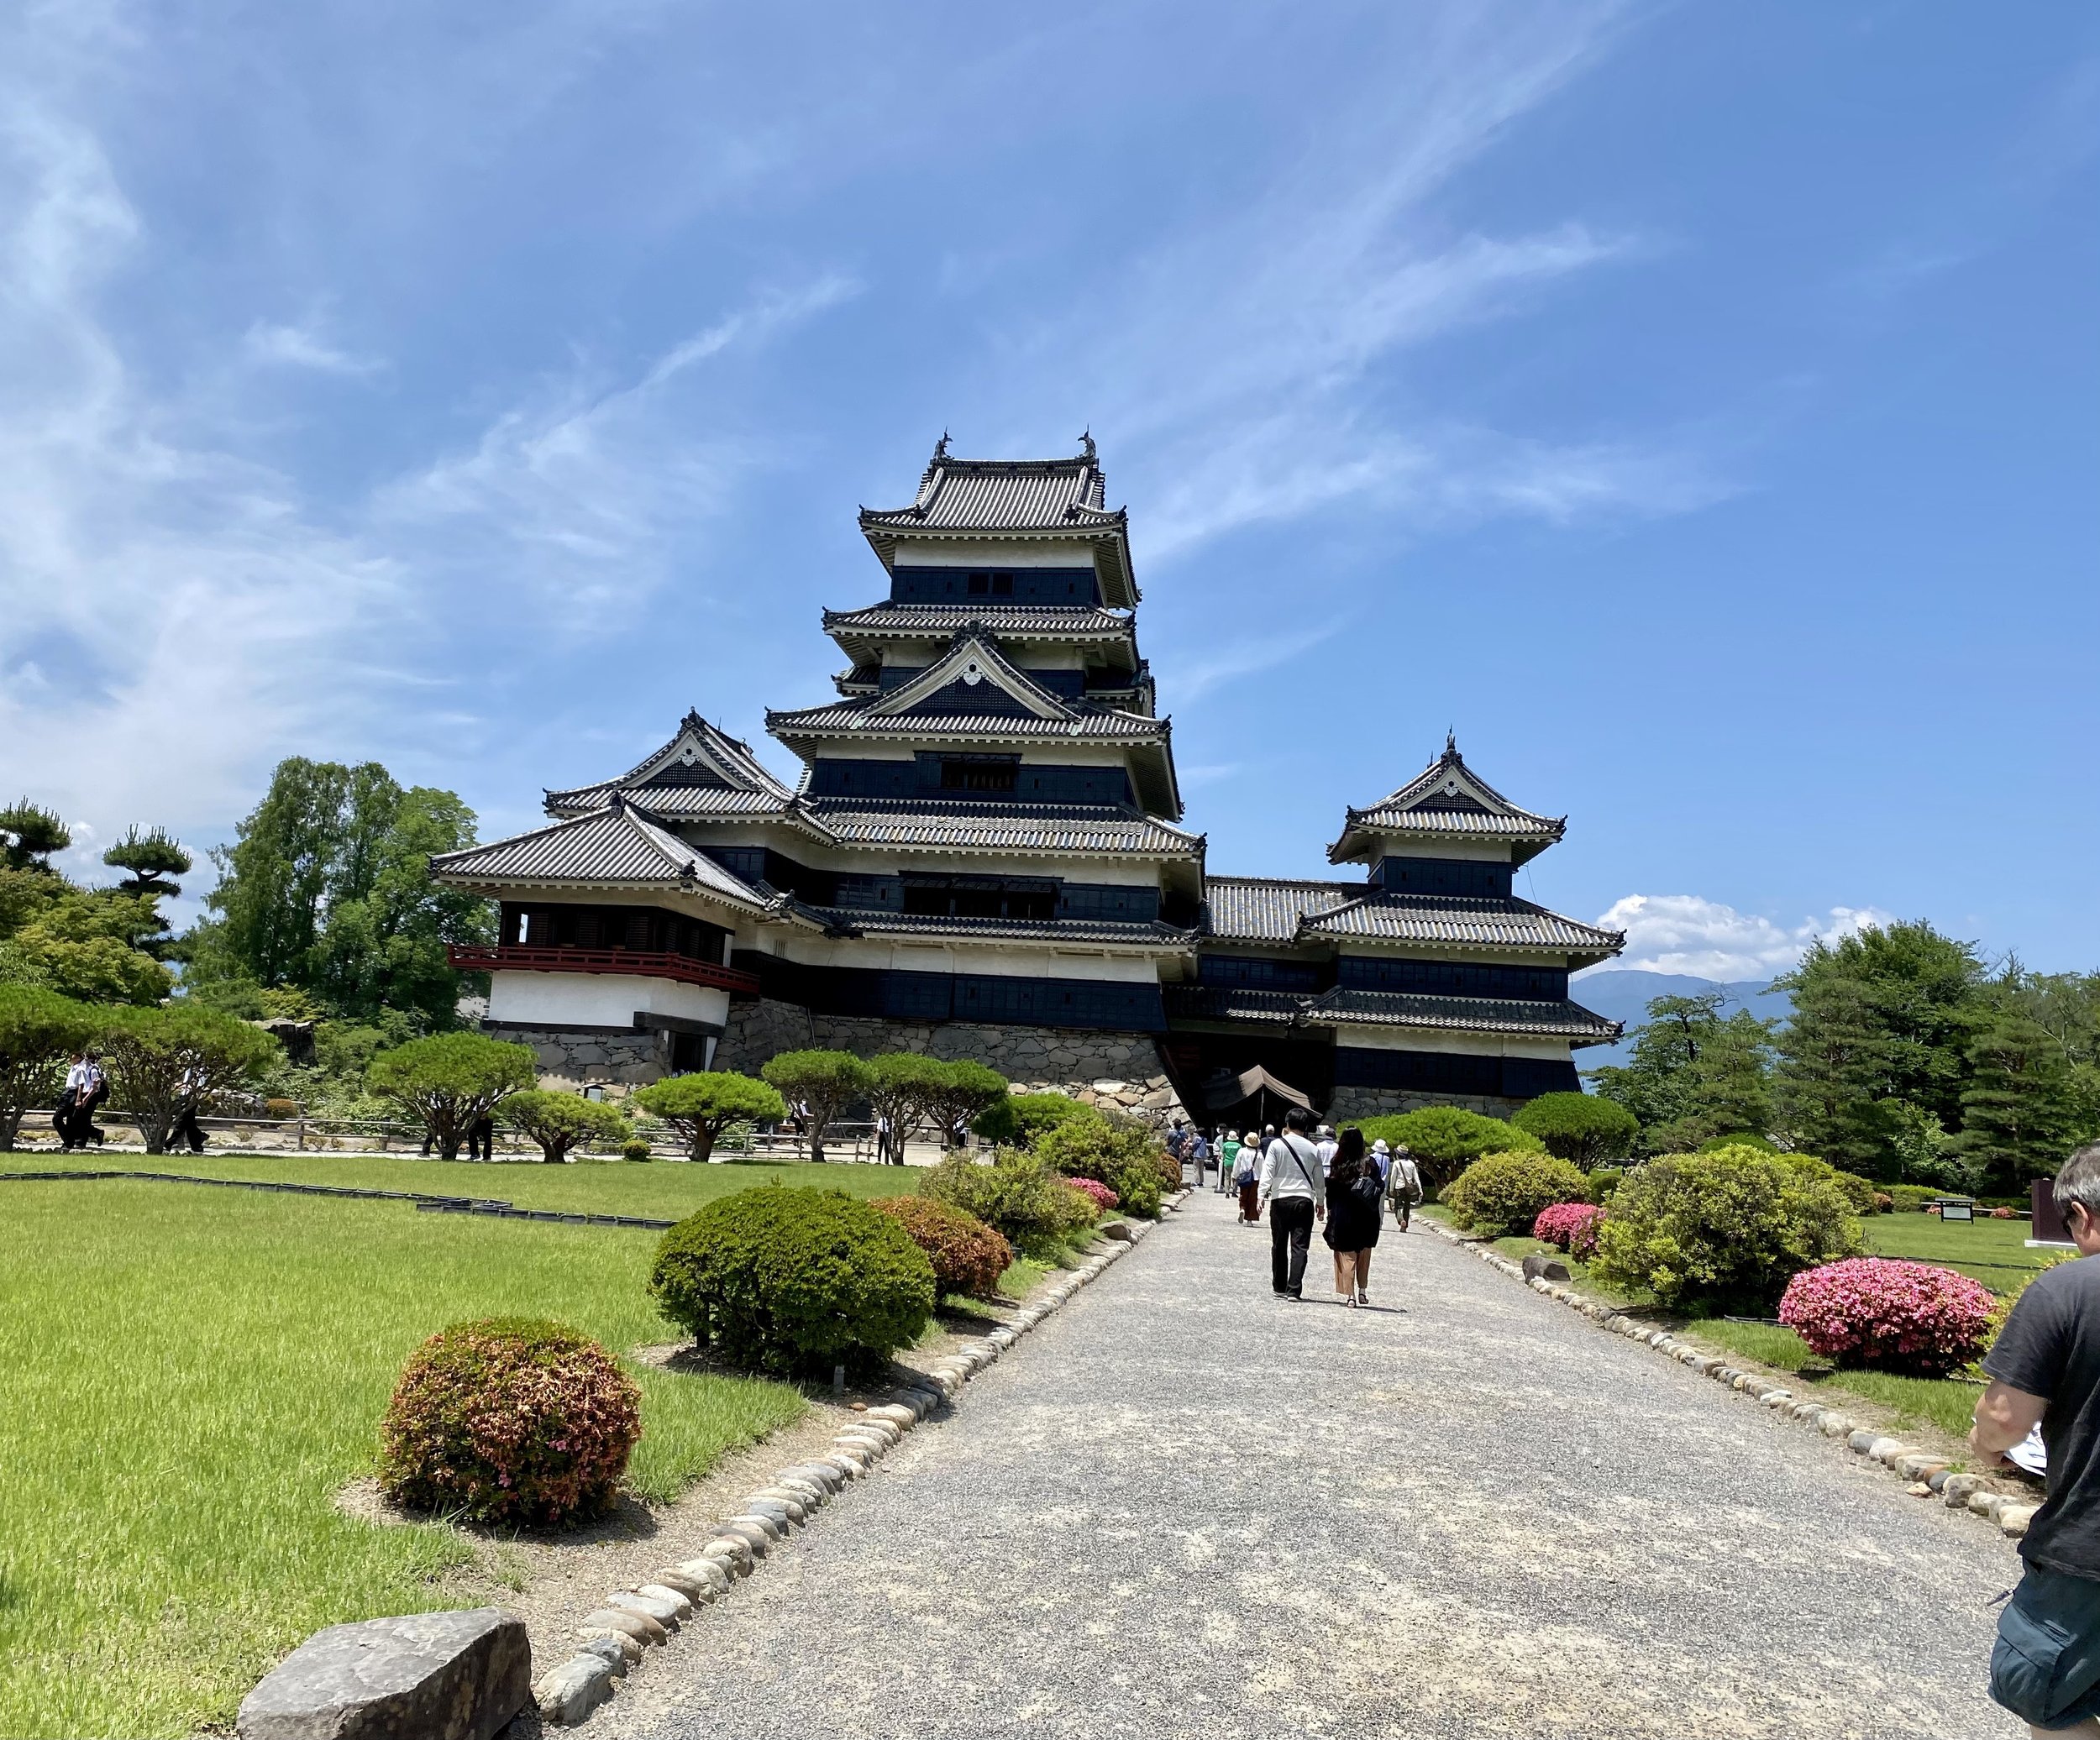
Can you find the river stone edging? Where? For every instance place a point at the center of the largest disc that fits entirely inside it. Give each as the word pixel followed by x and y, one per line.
pixel 612 1637
pixel 2009 1508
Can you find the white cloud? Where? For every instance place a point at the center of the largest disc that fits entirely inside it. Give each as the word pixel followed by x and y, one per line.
pixel 1196 674
pixel 303 347
pixel 1704 939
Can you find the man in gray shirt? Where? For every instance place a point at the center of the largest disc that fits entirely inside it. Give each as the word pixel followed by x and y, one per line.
pixel 2044 1369
pixel 1295 1189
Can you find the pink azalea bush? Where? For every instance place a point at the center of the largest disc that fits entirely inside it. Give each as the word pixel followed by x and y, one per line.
pixel 509 1420
pixel 1909 1317
pixel 1572 1226
pixel 1095 1191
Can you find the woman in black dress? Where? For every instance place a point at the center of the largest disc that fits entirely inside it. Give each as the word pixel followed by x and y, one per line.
pixel 1354 1198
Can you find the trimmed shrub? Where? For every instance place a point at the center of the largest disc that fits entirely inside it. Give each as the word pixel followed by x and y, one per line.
pixel 1445 1139
pixel 795 1281
pixel 1856 1191
pixel 1907 1318
pixel 1580 1128
pixel 1019 1119
pixel 1726 1230
pixel 509 1420
pixel 701 1106
pixel 1742 1138
pixel 1500 1193
pixel 1096 1193
pixel 637 1148
pixel 1601 1182
pixel 968 1256
pixel 1911 1199
pixel 449 1082
pixel 1112 1148
pixel 559 1122
pixel 1018 1193
pixel 1572 1226
pixel 161 1059
pixel 38 1031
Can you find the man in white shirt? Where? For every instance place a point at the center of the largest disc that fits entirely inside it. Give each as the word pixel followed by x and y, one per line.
pixel 1295 1189
pixel 1326 1142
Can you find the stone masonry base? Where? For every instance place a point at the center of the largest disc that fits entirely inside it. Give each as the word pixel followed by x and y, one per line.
pixel 1118 1070
pixel 1385 1101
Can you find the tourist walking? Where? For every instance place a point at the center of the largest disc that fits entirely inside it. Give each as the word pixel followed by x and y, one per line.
pixel 1324 1140
pixel 1353 1214
pixel 2044 1369
pixel 1403 1185
pixel 1246 1176
pixel 1199 1155
pixel 1228 1160
pixel 186 1125
pixel 86 1088
pixel 1296 1192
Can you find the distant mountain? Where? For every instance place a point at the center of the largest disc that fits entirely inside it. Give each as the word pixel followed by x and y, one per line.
pixel 1623 994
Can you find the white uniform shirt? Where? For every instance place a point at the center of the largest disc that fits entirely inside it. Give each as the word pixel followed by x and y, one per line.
pixel 1290 1167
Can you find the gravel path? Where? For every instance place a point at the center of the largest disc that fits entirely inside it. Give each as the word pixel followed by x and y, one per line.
pixel 1183 1508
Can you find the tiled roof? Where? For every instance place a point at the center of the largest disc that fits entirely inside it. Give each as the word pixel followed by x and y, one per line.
pixel 1013 499
pixel 1446 799
pixel 965 825
pixel 1471 1014
pixel 1091 931
pixel 1461 921
pixel 856 718
pixel 701 772
pixel 613 845
pixel 1233 1002
pixel 1012 622
pixel 1253 909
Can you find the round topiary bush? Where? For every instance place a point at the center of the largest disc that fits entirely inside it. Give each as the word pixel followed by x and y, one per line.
pixel 968 1256
pixel 1726 1229
pixel 637 1148
pixel 509 1420
pixel 1572 1226
pixel 1907 1318
pixel 1500 1193
pixel 1584 1128
pixel 1444 1139
pixel 795 1281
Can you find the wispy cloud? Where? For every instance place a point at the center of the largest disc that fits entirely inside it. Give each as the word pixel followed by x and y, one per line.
pixel 303 347
pixel 1196 674
pixel 1704 939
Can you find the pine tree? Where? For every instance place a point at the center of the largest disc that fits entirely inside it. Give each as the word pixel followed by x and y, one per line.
pixel 2018 1112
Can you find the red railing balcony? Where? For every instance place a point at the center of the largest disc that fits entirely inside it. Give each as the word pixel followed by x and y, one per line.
pixel 638 963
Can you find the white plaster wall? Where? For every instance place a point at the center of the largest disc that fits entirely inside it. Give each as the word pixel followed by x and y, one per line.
pixel 598 999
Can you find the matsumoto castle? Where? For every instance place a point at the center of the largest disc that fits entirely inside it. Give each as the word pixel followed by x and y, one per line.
pixel 983 857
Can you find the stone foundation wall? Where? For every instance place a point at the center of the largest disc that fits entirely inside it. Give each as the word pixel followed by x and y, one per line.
pixel 1385 1101
pixel 1108 1069
pixel 574 1059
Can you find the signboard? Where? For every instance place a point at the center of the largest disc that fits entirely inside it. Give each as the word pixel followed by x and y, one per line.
pixel 2048 1227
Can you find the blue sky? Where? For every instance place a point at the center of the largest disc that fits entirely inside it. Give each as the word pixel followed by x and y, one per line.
pixel 1692 406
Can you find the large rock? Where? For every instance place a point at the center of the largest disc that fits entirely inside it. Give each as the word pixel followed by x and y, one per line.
pixel 1546 1268
pixel 426 1676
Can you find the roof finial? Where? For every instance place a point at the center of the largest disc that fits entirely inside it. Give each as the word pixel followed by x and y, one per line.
pixel 1451 743
pixel 940 448
pixel 1086 441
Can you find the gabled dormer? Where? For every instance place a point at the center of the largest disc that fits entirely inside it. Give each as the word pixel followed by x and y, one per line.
pixel 972 676
pixel 1445 817
pixel 703 771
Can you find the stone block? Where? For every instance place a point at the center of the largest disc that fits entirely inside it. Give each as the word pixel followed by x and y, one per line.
pixel 423 1676
pixel 569 1695
pixel 1546 1268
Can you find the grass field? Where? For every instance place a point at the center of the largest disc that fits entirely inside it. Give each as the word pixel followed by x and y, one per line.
pixel 189 1376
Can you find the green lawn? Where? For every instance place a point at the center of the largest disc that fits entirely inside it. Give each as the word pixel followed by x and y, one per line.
pixel 1991 1251
pixel 188 1377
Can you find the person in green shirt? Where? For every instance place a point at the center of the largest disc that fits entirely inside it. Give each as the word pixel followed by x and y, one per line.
pixel 1228 1153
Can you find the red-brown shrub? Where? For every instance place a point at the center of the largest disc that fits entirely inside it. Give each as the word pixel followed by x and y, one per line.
pixel 509 1420
pixel 968 1256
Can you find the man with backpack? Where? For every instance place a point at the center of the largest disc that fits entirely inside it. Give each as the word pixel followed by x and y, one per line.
pixel 1295 1190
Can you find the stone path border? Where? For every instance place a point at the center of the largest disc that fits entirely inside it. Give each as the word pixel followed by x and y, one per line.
pixel 2009 1508
pixel 612 1637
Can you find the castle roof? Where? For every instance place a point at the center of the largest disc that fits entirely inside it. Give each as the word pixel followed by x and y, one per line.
pixel 617 846
pixel 962 823
pixel 1540 1019
pixel 860 633
pixel 1293 914
pixel 1012 500
pixel 703 772
pixel 1445 801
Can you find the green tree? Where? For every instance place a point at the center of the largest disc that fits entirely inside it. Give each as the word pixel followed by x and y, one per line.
pixel 2019 1112
pixel 960 1091
pixel 153 857
pixel 327 888
pixel 1880 1016
pixel 1693 1073
pixel 825 1082
pixel 84 945
pixel 702 1105
pixel 906 1083
pixel 449 1082
pixel 30 834
pixel 39 1031
pixel 1445 1139
pixel 161 1059
pixel 1582 1128
pixel 1018 1119
pixel 558 1122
